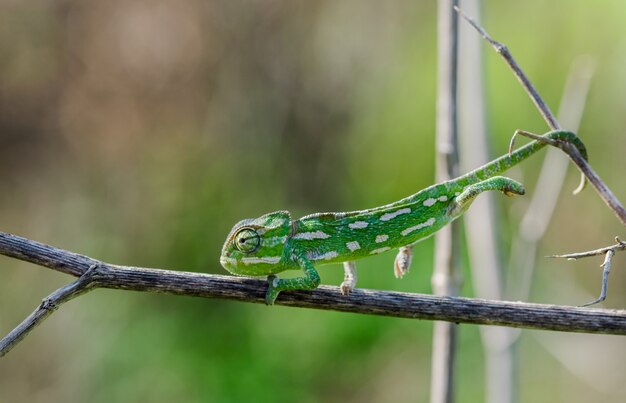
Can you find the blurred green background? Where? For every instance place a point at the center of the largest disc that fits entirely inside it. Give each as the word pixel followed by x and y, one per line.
pixel 139 132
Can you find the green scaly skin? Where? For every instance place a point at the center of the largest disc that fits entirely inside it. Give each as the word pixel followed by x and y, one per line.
pixel 274 243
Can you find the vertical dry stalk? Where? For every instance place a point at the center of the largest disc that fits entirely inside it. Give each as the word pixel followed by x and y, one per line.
pixel 480 221
pixel 446 277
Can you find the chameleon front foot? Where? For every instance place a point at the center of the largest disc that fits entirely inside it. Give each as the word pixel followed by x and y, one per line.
pixel 275 285
pixel 272 289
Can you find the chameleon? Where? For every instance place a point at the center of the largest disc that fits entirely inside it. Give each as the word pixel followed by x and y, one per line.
pixel 274 242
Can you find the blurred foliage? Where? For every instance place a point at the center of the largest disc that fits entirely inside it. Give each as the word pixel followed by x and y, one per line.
pixel 139 132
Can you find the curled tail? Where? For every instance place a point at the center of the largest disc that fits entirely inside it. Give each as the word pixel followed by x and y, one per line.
pixel 499 165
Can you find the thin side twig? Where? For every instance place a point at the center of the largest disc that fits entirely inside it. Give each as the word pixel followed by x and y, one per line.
pixel 619 245
pixel 48 305
pixel 601 188
pixel 605 278
pixel 608 252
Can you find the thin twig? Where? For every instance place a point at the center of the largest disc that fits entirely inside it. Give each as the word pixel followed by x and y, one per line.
pixel 519 74
pixel 605 278
pixel 603 191
pixel 608 252
pixel 48 305
pixel 619 245
pixel 384 303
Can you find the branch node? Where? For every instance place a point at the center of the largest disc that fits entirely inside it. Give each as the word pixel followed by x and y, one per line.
pixel 48 304
pixel 90 277
pixel 499 47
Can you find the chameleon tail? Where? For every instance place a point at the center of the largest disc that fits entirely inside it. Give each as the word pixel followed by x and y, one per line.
pixel 555 138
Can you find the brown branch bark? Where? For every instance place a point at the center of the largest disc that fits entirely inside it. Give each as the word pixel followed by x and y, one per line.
pixel 385 303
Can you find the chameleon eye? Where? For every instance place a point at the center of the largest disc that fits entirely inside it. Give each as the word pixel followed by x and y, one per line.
pixel 247 240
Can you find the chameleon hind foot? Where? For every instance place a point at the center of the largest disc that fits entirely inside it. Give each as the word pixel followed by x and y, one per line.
pixel 403 261
pixel 506 185
pixel 349 279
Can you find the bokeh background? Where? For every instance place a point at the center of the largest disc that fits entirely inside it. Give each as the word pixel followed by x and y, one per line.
pixel 139 132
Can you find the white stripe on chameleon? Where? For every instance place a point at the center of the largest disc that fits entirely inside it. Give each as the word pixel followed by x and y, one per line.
pixel 379 250
pixel 358 224
pixel 353 245
pixel 255 260
pixel 325 256
pixel 443 198
pixel 394 214
pixel 426 223
pixel 429 202
pixel 381 238
pixel 275 224
pixel 421 239
pixel 311 235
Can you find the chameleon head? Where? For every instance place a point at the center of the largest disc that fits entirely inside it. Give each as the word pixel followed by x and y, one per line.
pixel 255 247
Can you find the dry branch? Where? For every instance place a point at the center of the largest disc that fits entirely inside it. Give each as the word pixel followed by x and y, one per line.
pixel 385 303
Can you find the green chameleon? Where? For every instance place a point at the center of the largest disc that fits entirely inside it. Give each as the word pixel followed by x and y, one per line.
pixel 274 243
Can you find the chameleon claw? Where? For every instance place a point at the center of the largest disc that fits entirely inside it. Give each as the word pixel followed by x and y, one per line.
pixel 346 288
pixel 272 292
pixel 513 188
pixel 349 280
pixel 403 261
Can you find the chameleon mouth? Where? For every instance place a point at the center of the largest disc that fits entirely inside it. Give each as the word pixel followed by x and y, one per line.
pixel 228 263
